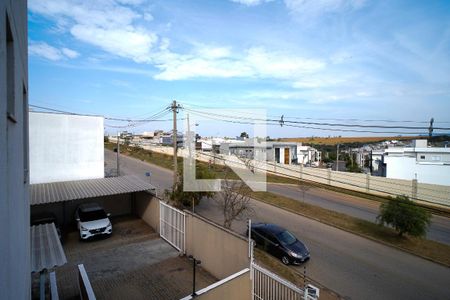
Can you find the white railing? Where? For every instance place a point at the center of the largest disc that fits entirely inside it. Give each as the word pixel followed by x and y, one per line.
pixel 172 224
pixel 267 286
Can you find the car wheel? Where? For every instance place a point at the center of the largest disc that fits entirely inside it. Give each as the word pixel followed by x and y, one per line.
pixel 285 260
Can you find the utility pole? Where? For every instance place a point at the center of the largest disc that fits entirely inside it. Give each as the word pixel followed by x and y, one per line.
pixel 337 157
pixel 430 129
pixel 118 154
pixel 175 108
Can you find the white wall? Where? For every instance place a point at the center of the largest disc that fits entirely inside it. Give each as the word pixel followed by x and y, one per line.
pixel 65 147
pixel 15 279
pixel 407 168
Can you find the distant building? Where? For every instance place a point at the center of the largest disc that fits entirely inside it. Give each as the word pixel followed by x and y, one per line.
pixel 65 147
pixel 378 167
pixel 15 250
pixel 167 140
pixel 308 156
pixel 278 152
pixel 426 164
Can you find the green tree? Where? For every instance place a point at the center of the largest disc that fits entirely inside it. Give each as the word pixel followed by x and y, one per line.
pixel 405 216
pixel 183 199
pixel 244 135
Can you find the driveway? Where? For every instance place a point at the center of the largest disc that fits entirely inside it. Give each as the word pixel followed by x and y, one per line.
pixel 133 264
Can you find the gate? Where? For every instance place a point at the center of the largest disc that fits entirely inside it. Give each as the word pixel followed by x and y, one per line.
pixel 172 224
pixel 269 286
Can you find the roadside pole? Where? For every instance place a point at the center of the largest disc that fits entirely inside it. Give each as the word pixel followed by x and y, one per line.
pixel 118 154
pixel 174 140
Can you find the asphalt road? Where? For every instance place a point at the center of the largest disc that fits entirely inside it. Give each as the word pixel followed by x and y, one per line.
pixel 355 267
pixel 439 229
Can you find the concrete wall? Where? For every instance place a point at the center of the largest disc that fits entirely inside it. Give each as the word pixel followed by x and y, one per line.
pixel 408 168
pixel 14 198
pixel 221 251
pixel 237 288
pixel 436 194
pixel 147 208
pixel 65 147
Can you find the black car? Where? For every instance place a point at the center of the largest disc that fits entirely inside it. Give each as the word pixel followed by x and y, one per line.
pixel 280 243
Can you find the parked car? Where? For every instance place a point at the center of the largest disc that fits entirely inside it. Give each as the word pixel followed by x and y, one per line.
pixel 280 243
pixel 92 220
pixel 44 218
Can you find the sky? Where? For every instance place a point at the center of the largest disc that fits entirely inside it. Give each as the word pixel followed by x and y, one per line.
pixel 306 60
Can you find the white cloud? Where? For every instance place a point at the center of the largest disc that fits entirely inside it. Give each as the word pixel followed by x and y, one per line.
pixel 251 2
pixel 46 51
pixel 220 62
pixel 70 53
pixel 310 9
pixel 108 24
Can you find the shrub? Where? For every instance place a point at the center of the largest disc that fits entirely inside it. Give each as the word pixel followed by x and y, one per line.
pixel 405 216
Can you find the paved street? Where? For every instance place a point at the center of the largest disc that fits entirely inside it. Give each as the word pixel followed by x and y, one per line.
pixel 353 266
pixel 365 209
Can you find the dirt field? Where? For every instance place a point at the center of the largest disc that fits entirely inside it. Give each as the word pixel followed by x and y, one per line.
pixel 343 140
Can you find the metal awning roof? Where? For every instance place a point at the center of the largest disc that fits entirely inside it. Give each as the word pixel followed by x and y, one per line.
pixel 46 248
pixel 44 193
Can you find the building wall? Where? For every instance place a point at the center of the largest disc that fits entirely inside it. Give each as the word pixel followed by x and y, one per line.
pixel 147 208
pixel 221 251
pixel 237 288
pixel 65 147
pixel 408 168
pixel 14 200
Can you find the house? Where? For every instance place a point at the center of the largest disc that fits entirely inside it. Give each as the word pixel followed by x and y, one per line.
pixel 425 164
pixel 308 156
pixel 276 152
pixel 167 140
pixel 15 265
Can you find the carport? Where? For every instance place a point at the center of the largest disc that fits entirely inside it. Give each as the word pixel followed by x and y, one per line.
pixel 116 194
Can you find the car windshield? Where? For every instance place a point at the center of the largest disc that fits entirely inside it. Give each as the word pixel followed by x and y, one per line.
pixel 286 238
pixel 86 216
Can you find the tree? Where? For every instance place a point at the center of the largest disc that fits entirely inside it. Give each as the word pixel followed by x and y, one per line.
pixel 405 216
pixel 234 201
pixel 182 199
pixel 244 135
pixel 303 188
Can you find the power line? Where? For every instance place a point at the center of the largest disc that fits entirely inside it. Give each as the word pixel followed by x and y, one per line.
pixel 277 123
pixel 282 121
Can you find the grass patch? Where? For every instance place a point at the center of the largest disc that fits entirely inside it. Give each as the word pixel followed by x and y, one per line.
pixel 432 250
pixel 166 161
pixel 289 273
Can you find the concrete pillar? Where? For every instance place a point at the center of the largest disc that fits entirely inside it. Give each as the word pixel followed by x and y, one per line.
pixel 414 189
pixel 367 183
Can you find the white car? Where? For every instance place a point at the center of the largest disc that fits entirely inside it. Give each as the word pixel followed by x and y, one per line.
pixel 92 220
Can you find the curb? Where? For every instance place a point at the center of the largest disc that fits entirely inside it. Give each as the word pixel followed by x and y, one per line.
pixel 357 233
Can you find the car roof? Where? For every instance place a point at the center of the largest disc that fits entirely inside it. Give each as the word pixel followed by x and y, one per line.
pixel 90 206
pixel 272 228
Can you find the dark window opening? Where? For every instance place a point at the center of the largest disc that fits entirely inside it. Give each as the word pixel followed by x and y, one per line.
pixel 422 157
pixel 10 73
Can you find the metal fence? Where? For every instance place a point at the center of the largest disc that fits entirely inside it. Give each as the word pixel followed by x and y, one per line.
pixel 267 286
pixel 172 224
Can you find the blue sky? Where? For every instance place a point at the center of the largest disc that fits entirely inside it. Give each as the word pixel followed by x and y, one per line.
pixel 316 59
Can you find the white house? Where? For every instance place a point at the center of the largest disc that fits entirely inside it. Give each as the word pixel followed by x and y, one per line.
pixel 308 156
pixel 426 164
pixel 65 147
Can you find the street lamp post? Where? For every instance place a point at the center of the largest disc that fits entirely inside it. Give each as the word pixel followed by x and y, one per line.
pixel 195 262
